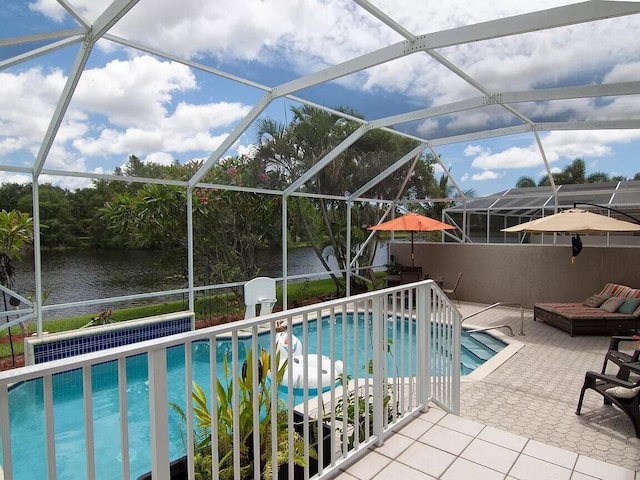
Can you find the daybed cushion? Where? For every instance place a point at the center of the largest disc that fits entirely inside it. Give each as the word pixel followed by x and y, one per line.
pixel 578 319
pixel 612 304
pixel 617 290
pixel 629 305
pixel 577 311
pixel 594 301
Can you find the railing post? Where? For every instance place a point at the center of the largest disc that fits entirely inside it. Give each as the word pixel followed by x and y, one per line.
pixel 423 343
pixel 6 433
pixel 455 373
pixel 379 369
pixel 159 414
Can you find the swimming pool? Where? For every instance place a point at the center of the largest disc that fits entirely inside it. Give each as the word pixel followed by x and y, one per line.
pixel 26 400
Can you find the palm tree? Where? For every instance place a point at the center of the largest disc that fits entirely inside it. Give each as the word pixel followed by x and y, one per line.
pixel 442 189
pixel 524 182
pixel 573 173
pixel 16 232
pixel 598 177
pixel 293 149
pixel 576 171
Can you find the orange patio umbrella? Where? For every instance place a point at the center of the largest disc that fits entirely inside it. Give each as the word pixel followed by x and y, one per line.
pixel 412 222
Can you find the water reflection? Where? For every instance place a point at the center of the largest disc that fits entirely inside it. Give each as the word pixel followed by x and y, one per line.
pixel 77 275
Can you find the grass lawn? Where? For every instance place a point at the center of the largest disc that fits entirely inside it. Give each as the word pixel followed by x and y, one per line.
pixel 209 311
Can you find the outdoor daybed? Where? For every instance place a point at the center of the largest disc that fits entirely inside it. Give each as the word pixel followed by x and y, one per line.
pixel 613 311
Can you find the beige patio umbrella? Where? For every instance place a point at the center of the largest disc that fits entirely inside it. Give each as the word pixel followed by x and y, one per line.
pixel 575 220
pixel 412 222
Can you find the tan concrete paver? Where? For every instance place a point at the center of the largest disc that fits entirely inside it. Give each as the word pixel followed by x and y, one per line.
pixel 535 393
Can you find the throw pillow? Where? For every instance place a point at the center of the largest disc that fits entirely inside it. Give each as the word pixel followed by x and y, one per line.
pixel 594 301
pixel 612 304
pixel 629 305
pixel 623 392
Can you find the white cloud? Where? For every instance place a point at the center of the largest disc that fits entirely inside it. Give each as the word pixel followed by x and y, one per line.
pixel 427 127
pixel 317 33
pixel 623 73
pixel 148 107
pixel 51 9
pixel 134 92
pixel 486 175
pixel 248 150
pixel 557 146
pixel 513 157
pixel 10 177
pixel 160 158
pixel 473 150
pixel 124 107
pixel 70 183
pixel 27 102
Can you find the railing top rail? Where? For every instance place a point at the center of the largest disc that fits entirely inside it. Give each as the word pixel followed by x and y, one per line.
pixel 58 366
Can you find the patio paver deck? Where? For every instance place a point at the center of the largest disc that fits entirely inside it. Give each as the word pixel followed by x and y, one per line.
pixel 519 421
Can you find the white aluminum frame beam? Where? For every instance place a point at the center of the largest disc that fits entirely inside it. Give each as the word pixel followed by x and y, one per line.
pixel 104 22
pixel 504 27
pixel 38 37
pixel 38 52
pixel 548 94
pixel 388 171
pixel 546 19
pixel 323 162
pixel 74 13
pixel 226 144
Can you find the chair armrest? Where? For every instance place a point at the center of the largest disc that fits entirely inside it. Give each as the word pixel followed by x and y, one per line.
pixel 611 379
pixel 616 340
pixel 616 356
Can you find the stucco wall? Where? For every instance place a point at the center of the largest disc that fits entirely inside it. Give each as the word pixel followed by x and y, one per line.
pixel 524 274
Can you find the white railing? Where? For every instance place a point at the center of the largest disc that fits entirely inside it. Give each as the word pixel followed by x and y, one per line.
pixel 395 365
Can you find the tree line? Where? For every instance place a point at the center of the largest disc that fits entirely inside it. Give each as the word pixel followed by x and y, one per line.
pixel 574 173
pixel 229 227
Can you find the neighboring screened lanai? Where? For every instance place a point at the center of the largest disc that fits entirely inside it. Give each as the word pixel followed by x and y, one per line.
pixel 485 217
pixel 84 84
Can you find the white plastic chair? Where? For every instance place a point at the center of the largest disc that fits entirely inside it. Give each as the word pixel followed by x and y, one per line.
pixel 259 291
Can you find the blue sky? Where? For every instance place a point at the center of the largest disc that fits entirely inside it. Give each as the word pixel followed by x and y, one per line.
pixel 129 102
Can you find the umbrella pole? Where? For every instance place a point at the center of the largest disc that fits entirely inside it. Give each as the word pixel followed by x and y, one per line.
pixel 413 260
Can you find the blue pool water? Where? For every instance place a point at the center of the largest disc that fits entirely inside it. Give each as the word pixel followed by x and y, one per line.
pixel 26 404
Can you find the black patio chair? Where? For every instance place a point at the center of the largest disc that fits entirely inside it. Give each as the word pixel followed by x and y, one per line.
pixel 621 393
pixel 620 358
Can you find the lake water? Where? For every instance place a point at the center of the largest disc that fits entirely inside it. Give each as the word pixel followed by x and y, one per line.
pixel 77 275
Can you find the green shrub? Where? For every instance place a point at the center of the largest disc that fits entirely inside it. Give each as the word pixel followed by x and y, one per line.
pixel 267 368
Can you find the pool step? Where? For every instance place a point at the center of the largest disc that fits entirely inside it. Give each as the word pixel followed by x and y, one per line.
pixel 477 348
pixel 466 369
pixel 489 341
pixel 469 358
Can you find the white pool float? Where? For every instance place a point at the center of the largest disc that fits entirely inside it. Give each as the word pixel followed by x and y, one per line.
pixel 286 342
pixel 313 368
